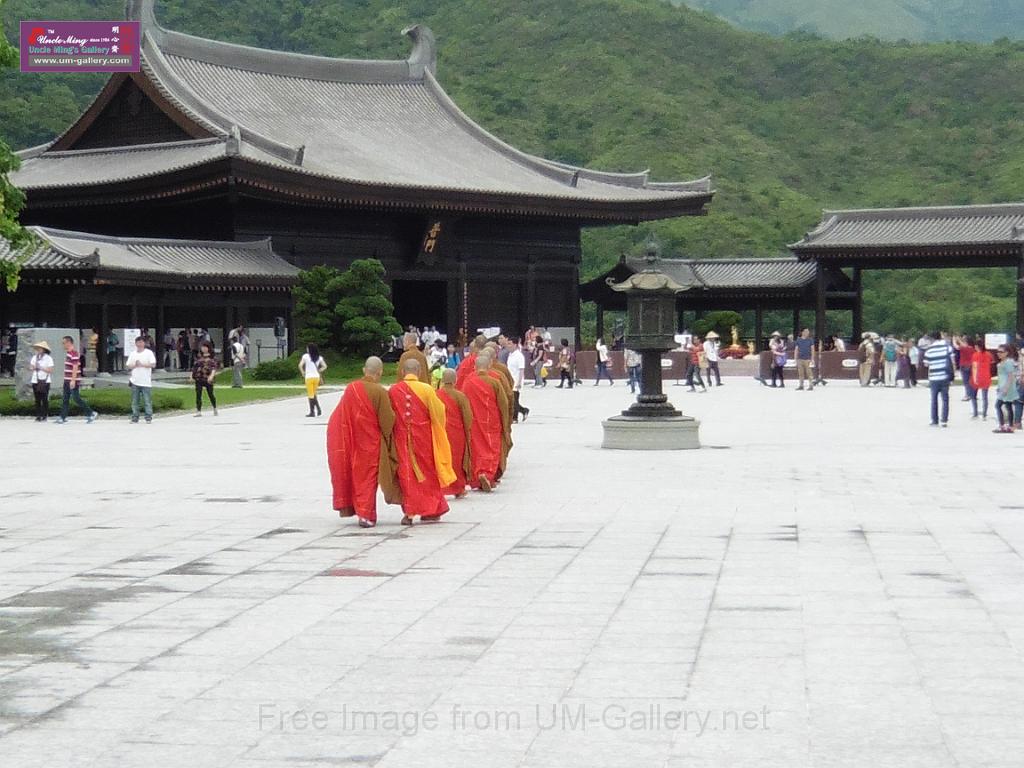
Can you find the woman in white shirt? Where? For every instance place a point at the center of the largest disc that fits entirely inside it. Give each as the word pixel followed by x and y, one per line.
pixel 41 365
pixel 312 366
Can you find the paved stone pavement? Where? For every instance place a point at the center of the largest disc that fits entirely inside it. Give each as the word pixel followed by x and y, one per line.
pixel 829 582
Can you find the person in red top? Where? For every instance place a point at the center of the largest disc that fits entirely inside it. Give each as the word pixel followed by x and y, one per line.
pixel 693 366
pixel 73 383
pixel 965 349
pixel 981 377
pixel 467 367
pixel 424 455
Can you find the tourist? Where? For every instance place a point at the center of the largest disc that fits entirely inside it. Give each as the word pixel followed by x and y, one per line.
pixel 437 355
pixel 10 350
pixel 940 360
pixel 913 360
pixel 490 428
pixel 140 364
pixel 516 364
pixel 633 363
pixel 169 349
pixel 890 348
pixel 777 348
pixel 603 363
pixel 804 354
pixel 41 366
pixel 453 359
pixel 1007 389
pixel 360 449
pixel 694 351
pixel 865 359
pixel 73 383
pixel 838 344
pixel 238 360
pixel 412 352
pixel 458 426
pixel 181 347
pixel 565 365
pixel 204 371
pixel 312 366
pixel 964 346
pixel 903 365
pixel 421 442
pixel 537 356
pixel 711 356
pixel 1019 405
pixel 981 377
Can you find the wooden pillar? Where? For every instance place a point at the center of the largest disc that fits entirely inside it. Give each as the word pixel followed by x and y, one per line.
pixel 289 320
pixel 858 305
pixel 72 310
pixel 819 304
pixel 600 320
pixel 229 323
pixel 758 327
pixel 531 299
pixel 159 334
pixel 135 317
pixel 796 321
pixel 103 359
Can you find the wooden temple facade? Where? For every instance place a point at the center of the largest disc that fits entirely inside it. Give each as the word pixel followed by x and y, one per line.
pixel 335 160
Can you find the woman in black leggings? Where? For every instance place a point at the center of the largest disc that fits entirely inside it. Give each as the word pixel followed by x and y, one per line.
pixel 204 371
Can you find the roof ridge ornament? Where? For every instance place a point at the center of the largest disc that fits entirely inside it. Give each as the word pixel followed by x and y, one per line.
pixel 233 145
pixel 142 11
pixel 423 58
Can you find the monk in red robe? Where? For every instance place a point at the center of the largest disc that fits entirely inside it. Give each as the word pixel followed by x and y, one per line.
pixel 490 432
pixel 360 451
pixel 424 455
pixel 458 423
pixel 467 367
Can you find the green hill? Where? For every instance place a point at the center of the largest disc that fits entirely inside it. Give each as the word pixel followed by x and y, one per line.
pixel 977 20
pixel 787 126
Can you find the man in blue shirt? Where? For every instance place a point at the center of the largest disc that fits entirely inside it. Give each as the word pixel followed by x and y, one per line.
pixel 803 354
pixel 940 360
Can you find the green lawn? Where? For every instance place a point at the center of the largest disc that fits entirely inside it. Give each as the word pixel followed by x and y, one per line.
pixel 118 401
pixel 340 370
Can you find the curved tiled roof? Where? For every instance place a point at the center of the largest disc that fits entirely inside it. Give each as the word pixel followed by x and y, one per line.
pixel 59 249
pixel 736 274
pixel 920 227
pixel 385 124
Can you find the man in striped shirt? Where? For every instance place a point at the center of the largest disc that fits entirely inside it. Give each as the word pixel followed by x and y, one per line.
pixel 940 360
pixel 72 384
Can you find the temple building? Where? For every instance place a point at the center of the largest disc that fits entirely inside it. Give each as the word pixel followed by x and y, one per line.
pixel 332 160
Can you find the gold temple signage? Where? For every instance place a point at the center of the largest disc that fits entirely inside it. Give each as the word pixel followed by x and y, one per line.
pixel 430 249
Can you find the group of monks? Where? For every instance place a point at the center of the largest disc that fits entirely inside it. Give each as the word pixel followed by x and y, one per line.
pixel 418 444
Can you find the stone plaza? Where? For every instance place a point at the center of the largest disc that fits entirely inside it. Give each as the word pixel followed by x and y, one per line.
pixel 827 582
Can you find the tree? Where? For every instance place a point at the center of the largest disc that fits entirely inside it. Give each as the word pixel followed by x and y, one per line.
pixel 11 199
pixel 315 300
pixel 365 314
pixel 349 311
pixel 720 322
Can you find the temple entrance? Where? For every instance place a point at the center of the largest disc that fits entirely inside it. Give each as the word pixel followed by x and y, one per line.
pixel 421 303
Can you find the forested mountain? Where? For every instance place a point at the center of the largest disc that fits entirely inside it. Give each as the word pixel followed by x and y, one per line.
pixel 977 20
pixel 787 126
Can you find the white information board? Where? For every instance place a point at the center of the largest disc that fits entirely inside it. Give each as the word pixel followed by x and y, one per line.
pixel 130 335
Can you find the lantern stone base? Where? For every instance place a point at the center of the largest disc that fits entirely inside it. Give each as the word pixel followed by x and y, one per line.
pixel 673 433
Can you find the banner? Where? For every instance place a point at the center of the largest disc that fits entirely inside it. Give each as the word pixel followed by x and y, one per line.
pixel 80 46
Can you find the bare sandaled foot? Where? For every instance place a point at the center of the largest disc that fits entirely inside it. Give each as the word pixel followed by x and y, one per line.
pixel 485 484
pixel 346 512
pixel 461 495
pixel 406 520
pixel 366 523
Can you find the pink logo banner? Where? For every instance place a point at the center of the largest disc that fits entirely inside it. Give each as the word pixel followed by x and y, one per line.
pixel 80 46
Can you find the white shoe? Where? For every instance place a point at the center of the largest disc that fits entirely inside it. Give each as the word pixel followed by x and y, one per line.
pixel 215 412
pixel 197 415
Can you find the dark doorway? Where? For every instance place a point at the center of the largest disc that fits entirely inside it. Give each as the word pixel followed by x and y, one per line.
pixel 421 303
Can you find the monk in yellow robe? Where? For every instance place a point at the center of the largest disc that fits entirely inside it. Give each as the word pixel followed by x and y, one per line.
pixel 421 441
pixel 360 451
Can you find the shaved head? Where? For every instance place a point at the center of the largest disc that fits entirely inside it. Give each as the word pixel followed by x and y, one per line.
pixel 373 367
pixel 483 362
pixel 479 342
pixel 448 376
pixel 411 366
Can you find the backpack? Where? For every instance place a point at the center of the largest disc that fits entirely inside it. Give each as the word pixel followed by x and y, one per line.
pixel 890 351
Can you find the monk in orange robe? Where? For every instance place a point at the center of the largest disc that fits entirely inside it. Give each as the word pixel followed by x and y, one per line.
pixel 458 423
pixel 360 451
pixel 490 432
pixel 424 455
pixel 467 367
pixel 412 352
pixel 501 373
